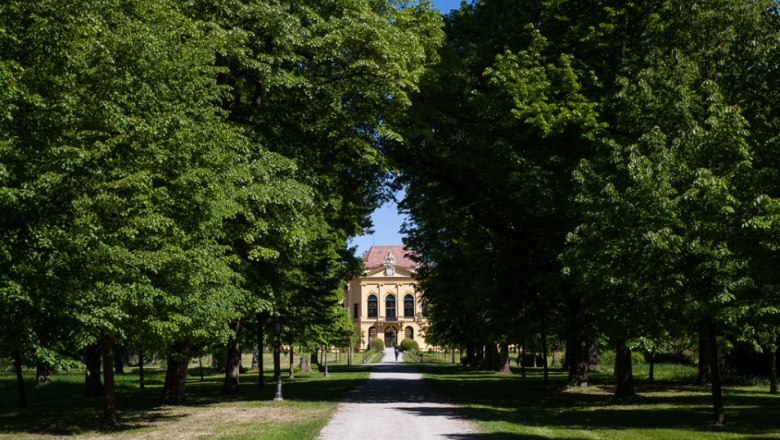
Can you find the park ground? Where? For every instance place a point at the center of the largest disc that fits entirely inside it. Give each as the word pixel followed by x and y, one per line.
pixel 500 406
pixel 506 406
pixel 58 410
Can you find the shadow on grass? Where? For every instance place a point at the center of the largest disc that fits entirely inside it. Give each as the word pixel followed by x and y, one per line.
pixel 60 409
pixel 503 436
pixel 669 405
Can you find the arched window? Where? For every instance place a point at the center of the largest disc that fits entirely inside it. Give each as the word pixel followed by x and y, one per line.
pixel 408 306
pixel 372 306
pixel 390 307
pixel 409 333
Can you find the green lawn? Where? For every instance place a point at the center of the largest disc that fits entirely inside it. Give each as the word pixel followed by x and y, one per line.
pixel 508 406
pixel 59 410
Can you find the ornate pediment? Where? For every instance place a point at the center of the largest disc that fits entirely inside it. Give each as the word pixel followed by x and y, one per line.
pixel 381 272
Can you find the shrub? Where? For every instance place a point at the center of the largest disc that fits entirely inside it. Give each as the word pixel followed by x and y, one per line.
pixel 409 345
pixel 607 358
pixel 377 345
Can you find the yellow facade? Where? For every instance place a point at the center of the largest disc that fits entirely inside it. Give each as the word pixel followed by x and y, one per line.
pixel 385 302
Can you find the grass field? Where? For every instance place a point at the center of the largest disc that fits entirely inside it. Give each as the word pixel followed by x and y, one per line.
pixel 508 406
pixel 58 409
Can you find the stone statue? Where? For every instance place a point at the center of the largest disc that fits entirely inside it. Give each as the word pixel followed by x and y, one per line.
pixel 389 264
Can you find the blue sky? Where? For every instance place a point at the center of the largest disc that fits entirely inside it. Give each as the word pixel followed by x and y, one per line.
pixel 446 5
pixel 387 224
pixel 387 221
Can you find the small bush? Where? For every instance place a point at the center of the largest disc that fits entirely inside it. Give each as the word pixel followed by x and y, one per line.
pixel 409 345
pixel 607 358
pixel 377 345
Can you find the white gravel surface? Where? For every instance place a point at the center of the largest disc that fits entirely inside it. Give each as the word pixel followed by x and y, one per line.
pixel 395 404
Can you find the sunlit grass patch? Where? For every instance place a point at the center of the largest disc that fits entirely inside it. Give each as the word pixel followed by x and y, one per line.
pixel 671 407
pixel 59 410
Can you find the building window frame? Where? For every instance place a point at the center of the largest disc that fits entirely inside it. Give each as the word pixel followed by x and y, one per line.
pixel 408 306
pixel 390 307
pixel 373 306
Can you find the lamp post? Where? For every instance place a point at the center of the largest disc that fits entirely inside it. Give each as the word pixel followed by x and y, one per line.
pixel 325 353
pixel 277 367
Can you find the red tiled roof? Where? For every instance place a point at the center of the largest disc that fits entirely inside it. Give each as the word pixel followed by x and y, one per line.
pixel 375 256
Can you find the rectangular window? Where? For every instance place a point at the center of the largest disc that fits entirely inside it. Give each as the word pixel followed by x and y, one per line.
pixel 390 312
pixel 408 306
pixel 356 311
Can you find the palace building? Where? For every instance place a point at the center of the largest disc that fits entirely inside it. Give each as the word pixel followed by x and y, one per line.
pixel 384 303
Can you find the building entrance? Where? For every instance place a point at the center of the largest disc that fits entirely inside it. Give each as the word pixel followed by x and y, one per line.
pixel 391 336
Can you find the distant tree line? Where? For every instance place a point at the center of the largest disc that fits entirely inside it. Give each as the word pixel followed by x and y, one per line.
pixel 599 172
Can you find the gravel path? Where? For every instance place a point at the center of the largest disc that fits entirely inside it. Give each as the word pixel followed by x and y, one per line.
pixel 395 404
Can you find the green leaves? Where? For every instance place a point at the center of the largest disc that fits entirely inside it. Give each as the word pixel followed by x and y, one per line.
pixel 546 95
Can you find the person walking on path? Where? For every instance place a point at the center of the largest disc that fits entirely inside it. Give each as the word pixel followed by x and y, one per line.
pixel 396 353
pixel 395 397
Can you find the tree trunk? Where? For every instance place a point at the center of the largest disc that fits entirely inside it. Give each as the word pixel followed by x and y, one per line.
pixel 773 371
pixel 717 392
pixel 773 363
pixel 544 352
pixel 624 371
pixel 470 354
pixel 292 362
pixel 218 362
pixel 119 361
pixel 233 361
pixel 141 383
pixel 42 372
pixel 506 363
pixel 349 356
pixel 176 373
pixel 260 350
pixel 651 374
pixel 495 357
pixel 480 354
pixel 593 357
pixel 578 350
pixel 522 361
pixel 93 386
pixel 305 365
pixel 20 379
pixel 314 359
pixel 254 360
pixel 703 377
pixel 110 421
pixel 325 355
pixel 487 361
